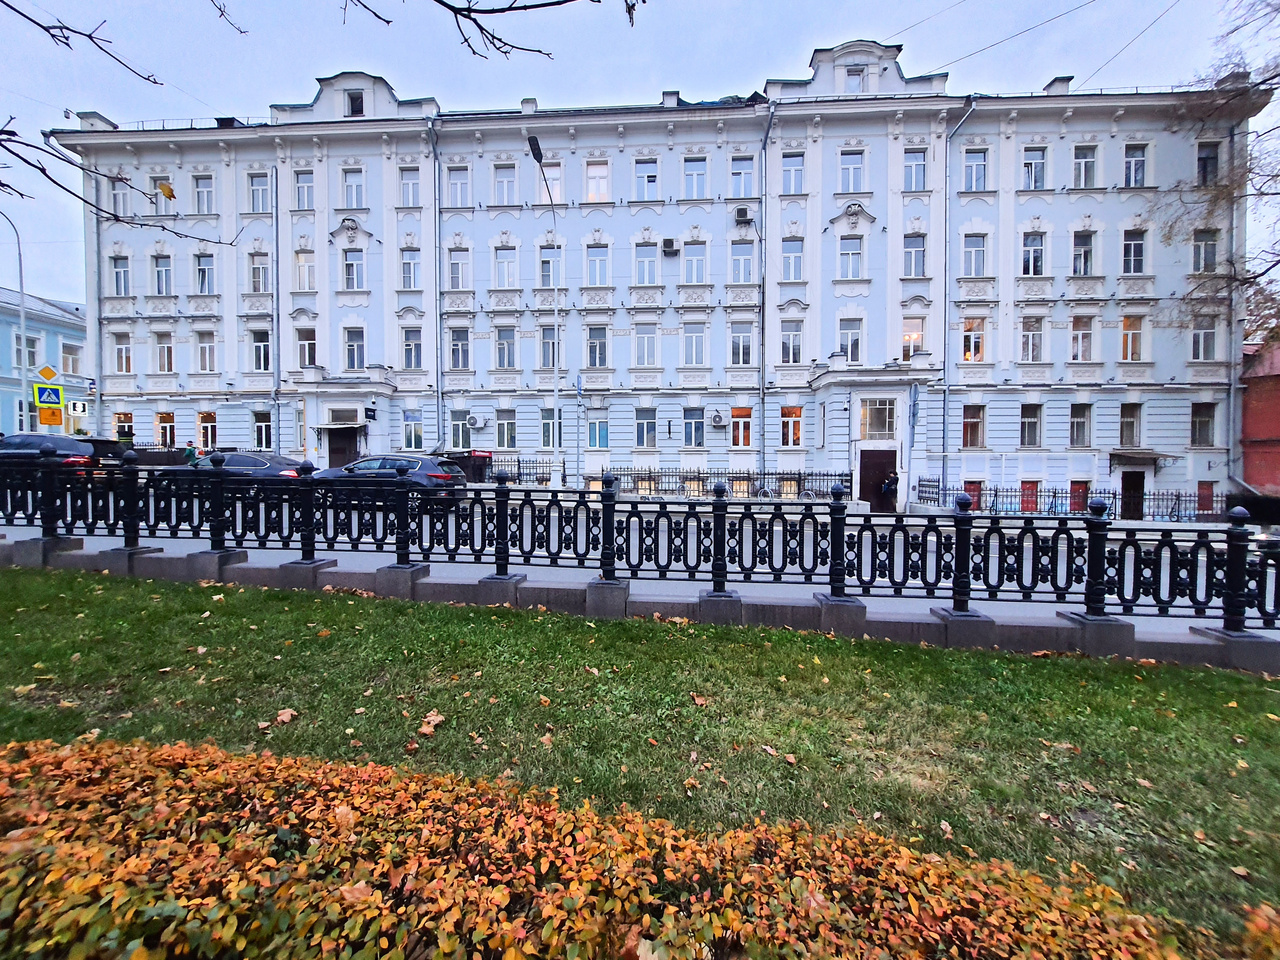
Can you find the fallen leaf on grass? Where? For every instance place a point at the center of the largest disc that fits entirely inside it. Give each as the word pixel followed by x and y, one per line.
pixel 1232 704
pixel 23 690
pixel 790 758
pixel 698 701
pixel 430 722
pixel 592 670
pixel 946 830
pixel 200 651
pixel 368 693
pixel 1145 783
pixel 1272 716
pixel 545 740
pixel 322 633
pixel 165 669
pixel 359 710
pixel 1240 871
pixel 1088 786
pixel 205 614
pixel 768 749
pixel 67 704
pixel 262 724
pixel 653 742
pixel 411 746
pixel 544 701
pixel 285 715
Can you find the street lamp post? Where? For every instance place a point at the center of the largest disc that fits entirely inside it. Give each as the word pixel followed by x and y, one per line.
pixel 24 389
pixel 536 150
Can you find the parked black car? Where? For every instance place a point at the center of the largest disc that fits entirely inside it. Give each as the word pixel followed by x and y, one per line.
pixel 24 449
pixel 434 473
pixel 244 465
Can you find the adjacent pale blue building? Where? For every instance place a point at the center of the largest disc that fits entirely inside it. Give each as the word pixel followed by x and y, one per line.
pixel 57 343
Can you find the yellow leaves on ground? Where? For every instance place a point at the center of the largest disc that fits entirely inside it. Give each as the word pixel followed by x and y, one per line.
pixel 430 722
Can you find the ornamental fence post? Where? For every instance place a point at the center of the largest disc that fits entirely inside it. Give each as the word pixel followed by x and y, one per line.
pixel 836 567
pixel 502 525
pixel 129 499
pixel 608 506
pixel 1235 597
pixel 961 584
pixel 402 514
pixel 307 510
pixel 1095 582
pixel 48 473
pixel 217 507
pixel 719 516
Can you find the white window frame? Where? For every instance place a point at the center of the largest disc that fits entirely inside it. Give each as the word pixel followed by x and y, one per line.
pixel 598 431
pixel 459 348
pixel 202 189
pixel 913 256
pixel 793 260
pixel 259 193
pixel 1035 164
pixel 1133 261
pixel 305 337
pixel 647 273
pixel 411 421
pixel 1084 167
pixel 120 276
pixel 742 256
pixel 741 336
pixel 410 187
pixel 973 343
pixel 1135 166
pixel 1131 345
pixel 206 276
pixel 878 419
pixel 975 170
pixel 853 171
pixel 506 423
pixel 353 276
pixel 793 174
pixel 915 167
pixel 694 352
pixel 353 189
pixel 261 342
pixel 259 273
pixel 206 351
pixel 597 180
pixel 458 183
pixel 411 343
pixel 505 351
pixel 850 343
pixel 645 340
pixel 695 262
pixel 162 206
pixel 164 353
pixel 1204 331
pixel 792 341
pixel 504 188
pixel 124 353
pixel 646 180
pixel 459 268
pixel 1082 339
pixel 1081 426
pixel 506 270
pixel 1204 251
pixel 597 346
pixel 695 178
pixel 162 273
pixel 597 265
pixel 304 189
pixel 305 270
pixel 1031 425
pixel 975 255
pixel 912 336
pixel 353 348
pixel 742 177
pixel 850 254
pixel 1033 254
pixel 1031 339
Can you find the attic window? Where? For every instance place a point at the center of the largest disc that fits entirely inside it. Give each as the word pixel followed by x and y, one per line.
pixel 355 103
pixel 855 79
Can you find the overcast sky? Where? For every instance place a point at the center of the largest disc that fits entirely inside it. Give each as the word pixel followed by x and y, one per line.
pixel 703 48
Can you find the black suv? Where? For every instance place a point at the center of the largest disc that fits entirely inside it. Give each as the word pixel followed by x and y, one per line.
pixel 23 449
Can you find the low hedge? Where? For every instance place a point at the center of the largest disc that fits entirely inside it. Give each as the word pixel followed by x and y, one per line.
pixel 133 850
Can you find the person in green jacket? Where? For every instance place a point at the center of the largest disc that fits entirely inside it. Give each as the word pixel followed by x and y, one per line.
pixel 191 454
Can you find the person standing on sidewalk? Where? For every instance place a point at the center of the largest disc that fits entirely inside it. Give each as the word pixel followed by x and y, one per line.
pixel 190 454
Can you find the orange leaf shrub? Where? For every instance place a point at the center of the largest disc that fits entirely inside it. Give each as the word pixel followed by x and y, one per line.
pixel 1261 933
pixel 124 850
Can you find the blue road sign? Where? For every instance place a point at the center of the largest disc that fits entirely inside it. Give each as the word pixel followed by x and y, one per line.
pixel 47 395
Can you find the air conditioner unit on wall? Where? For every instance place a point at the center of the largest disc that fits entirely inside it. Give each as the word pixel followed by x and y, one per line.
pixel 742 215
pixel 477 423
pixel 717 419
pixel 669 247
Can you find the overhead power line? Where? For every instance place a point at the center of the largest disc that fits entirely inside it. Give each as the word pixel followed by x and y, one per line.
pixel 1014 36
pixel 926 19
pixel 1136 36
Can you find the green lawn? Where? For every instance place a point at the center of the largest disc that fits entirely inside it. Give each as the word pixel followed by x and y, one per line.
pixel 1164 781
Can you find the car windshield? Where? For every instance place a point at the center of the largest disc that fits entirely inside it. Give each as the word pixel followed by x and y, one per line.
pixel 448 466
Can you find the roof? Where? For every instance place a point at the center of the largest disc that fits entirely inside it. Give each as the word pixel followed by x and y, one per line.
pixel 61 309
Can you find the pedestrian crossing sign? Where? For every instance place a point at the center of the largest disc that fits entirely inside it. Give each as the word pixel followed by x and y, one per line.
pixel 47 395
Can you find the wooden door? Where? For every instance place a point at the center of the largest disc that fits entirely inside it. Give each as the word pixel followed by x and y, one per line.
pixel 342 446
pixel 874 467
pixel 1132 492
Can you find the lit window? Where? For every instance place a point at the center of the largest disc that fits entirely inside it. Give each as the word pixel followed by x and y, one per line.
pixel 974 338
pixel 792 420
pixel 740 427
pixel 166 430
pixel 912 336
pixel 207 422
pixel 1032 340
pixel 1131 339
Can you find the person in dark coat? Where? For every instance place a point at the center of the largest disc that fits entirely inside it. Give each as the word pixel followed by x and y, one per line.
pixel 890 490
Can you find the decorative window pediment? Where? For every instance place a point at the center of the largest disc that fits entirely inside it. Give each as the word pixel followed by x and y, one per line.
pixel 855 215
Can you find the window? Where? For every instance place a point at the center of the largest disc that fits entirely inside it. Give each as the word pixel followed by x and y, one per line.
pixel 259 193
pixel 740 427
pixel 206 348
pixel 120 198
pixel 1081 424
pixel 259 273
pixel 695 178
pixel 1082 254
pixel 740 344
pixel 597 265
pixel 646 263
pixel 695 262
pixel 33 345
pixel 71 354
pixel 459 429
pixel 1033 254
pixel 912 336
pixel 1207 164
pixel 410 195
pixel 163 268
pixel 1202 339
pixel 1082 339
pixel 793 259
pixel 261 350
pixel 459 269
pixel 597 347
pixel 506 430
pixel 506 348
pixel 1033 162
pixel 974 428
pixel 975 170
pixel 413 439
pixel 203 186
pixel 1135 242
pixel 597 181
pixel 166 430
pixel 207 422
pixel 355 103
pixel 792 418
pixel 646 345
pixel 120 275
pixel 646 428
pixel 1032 340
pixel 204 273
pixel 694 427
pixel 1130 424
pixel 124 353
pixel 460 349
pixel 852 171
pixel 549 343
pixel 353 269
pixel 353 189
pixel 1135 164
pixel 973 342
pixel 459 187
pixel 646 179
pixel 742 253
pixel 304 190
pixel 913 256
pixel 262 431
pixel 1085 168
pixel 1131 339
pixel 549 266
pixel 913 169
pixel 742 177
pixel 412 348
pixel 1204 251
pixel 1202 424
pixel 305 270
pixel 851 340
pixel 306 347
pixel 791 333
pixel 855 79
pixel 975 255
pixel 695 341
pixel 505 272
pixel 1031 416
pixel 878 418
pixel 354 339
pixel 598 431
pixel 793 173
pixel 504 185
pixel 850 258
pixel 162 196
pixel 551 187
pixel 164 353
pixel 124 426
pixel 24 410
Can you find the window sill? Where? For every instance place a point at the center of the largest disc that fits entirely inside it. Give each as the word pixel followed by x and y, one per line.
pixel 1210 362
pixel 467 371
pixel 466 209
pixel 1142 189
pixel 1096 191
pixel 1035 277
pixel 609 370
pixel 977 193
pixel 1041 192
pixel 1122 364
pixel 364 210
pixel 916 193
pixel 303 210
pixel 295 293
pixel 503 371
pixel 361 292
pixel 692 200
pixel 984 277
pixel 416 207
pixel 645 203
pixel 1136 276
pixel 500 207
pixel 596 204
pixel 786 449
pixel 974 364
pixel 918 279
pixel 853 195
pixel 412 290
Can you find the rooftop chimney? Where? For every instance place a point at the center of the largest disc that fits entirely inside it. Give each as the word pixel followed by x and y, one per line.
pixel 529 105
pixel 1058 85
pixel 671 98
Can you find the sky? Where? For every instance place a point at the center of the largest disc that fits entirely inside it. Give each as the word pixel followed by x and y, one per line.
pixel 704 48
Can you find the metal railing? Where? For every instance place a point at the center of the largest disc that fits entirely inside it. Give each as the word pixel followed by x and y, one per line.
pixel 1175 506
pixel 1188 570
pixel 739 484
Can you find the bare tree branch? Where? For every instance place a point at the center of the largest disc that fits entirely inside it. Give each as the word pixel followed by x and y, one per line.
pixel 221 7
pixel 64 35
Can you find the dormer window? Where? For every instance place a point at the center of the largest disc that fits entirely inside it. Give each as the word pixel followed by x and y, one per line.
pixel 355 103
pixel 855 79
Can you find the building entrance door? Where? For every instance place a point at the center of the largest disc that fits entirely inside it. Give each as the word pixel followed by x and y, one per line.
pixel 874 467
pixel 1131 494
pixel 343 446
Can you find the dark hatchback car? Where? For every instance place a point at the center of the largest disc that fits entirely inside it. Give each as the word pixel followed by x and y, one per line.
pixel 431 472
pixel 245 465
pixel 23 449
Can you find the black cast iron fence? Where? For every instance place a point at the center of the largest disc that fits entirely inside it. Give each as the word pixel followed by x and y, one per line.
pixel 1189 570
pixel 1175 506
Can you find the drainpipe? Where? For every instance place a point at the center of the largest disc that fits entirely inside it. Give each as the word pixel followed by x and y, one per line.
pixel 435 243
pixel 1235 445
pixel 764 206
pixel 275 302
pixel 971 104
